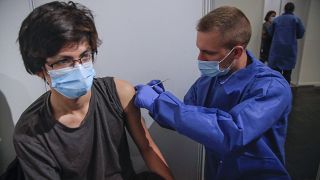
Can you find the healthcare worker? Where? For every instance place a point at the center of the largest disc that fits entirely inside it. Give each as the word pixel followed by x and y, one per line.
pixel 238 109
pixel 285 30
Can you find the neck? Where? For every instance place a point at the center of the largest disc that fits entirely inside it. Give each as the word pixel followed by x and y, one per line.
pixel 241 62
pixel 62 105
pixel 244 61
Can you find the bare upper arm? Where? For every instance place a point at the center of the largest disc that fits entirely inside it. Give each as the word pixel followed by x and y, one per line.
pixel 135 123
pixel 125 91
pixel 138 131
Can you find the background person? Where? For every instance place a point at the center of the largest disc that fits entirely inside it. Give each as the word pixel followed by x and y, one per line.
pixel 285 30
pixel 238 109
pixel 76 130
pixel 265 38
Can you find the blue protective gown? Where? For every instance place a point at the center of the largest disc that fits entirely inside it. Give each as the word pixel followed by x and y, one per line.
pixel 285 30
pixel 241 119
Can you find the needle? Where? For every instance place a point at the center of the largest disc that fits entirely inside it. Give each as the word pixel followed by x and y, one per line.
pixel 159 82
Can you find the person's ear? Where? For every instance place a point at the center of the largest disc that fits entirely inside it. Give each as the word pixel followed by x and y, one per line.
pixel 238 51
pixel 42 74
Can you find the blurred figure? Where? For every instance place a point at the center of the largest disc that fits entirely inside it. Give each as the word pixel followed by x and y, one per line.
pixel 265 38
pixel 285 30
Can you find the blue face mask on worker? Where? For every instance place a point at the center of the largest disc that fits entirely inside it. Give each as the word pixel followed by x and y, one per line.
pixel 73 82
pixel 211 68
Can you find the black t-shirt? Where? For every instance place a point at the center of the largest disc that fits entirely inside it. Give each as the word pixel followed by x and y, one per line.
pixel 96 150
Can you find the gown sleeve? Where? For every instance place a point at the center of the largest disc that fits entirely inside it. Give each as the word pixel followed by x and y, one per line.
pixel 300 29
pixel 263 105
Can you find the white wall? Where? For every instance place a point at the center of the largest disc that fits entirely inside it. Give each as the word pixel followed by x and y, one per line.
pixel 253 9
pixel 310 63
pixel 17 88
pixel 274 5
pixel 301 10
pixel 142 40
pixel 306 71
pixel 17 85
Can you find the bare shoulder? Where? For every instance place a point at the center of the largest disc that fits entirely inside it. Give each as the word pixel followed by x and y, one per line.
pixel 125 91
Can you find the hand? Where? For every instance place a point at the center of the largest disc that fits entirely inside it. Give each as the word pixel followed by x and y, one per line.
pixel 145 97
pixel 159 88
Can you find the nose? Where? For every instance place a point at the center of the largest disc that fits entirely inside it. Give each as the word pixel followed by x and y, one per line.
pixel 202 57
pixel 76 62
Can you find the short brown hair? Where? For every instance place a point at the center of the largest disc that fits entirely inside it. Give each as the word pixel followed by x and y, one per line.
pixel 230 22
pixel 52 26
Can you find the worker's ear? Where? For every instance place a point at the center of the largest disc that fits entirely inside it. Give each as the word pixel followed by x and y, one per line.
pixel 238 51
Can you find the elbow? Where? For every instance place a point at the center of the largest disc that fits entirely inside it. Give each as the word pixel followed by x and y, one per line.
pixel 227 145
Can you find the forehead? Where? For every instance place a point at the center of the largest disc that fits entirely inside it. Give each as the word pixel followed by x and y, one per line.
pixel 209 40
pixel 74 48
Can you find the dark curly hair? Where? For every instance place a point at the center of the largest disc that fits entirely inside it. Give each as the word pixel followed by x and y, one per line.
pixel 50 27
pixel 269 13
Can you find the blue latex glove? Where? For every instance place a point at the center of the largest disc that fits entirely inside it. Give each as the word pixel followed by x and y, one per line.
pixel 145 96
pixel 159 88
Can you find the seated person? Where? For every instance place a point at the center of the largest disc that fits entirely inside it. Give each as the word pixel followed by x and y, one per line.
pixel 76 130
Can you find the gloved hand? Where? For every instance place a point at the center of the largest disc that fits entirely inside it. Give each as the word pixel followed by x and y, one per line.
pixel 159 88
pixel 145 97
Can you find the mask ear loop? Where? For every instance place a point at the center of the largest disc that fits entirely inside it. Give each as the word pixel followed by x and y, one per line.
pixel 222 82
pixel 225 57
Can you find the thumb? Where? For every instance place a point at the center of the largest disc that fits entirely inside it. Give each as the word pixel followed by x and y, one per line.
pixel 138 87
pixel 152 82
pixel 158 89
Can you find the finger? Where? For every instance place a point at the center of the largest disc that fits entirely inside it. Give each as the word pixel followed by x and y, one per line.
pixel 158 89
pixel 161 86
pixel 153 82
pixel 138 87
pixel 137 102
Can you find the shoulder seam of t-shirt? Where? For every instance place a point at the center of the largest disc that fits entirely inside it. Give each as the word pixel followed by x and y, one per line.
pixel 111 91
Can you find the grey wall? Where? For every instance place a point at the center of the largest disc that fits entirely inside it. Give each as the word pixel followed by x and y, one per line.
pixel 306 71
pixel 309 73
pixel 253 9
pixel 17 88
pixel 301 10
pixel 142 40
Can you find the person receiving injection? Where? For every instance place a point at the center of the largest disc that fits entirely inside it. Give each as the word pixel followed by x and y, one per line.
pixel 238 109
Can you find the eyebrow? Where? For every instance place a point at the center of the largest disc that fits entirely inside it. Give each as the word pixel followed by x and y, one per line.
pixel 209 52
pixel 64 56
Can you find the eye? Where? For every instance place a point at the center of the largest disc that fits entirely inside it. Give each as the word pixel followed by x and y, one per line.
pixel 63 61
pixel 209 53
pixel 86 57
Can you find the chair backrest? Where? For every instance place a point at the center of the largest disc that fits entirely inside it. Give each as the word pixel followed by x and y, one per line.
pixel 13 171
pixel 318 174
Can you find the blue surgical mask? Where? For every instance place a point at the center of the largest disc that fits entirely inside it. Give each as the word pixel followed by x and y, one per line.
pixel 73 82
pixel 272 18
pixel 212 68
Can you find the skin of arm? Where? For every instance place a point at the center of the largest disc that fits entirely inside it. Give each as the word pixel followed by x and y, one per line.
pixel 139 133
